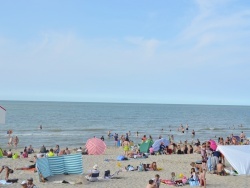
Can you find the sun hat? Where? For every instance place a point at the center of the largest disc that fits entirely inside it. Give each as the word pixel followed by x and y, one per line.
pixel 23 182
pixel 95 166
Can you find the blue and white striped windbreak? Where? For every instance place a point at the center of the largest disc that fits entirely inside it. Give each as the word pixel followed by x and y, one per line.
pixel 70 164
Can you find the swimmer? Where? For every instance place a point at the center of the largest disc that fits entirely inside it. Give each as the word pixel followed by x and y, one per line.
pixel 41 127
pixel 193 133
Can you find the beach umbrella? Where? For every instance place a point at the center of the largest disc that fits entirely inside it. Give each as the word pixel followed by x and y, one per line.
pixel 237 138
pixel 213 145
pixel 95 146
pixel 158 142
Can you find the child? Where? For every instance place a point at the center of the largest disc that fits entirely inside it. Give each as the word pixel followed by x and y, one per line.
pixel 157 181
pixel 172 177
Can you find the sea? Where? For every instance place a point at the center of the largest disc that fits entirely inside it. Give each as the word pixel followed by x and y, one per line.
pixel 71 124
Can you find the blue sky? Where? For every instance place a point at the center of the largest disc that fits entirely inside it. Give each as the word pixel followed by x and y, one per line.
pixel 178 52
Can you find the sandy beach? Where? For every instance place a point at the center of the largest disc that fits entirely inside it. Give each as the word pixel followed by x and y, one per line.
pixel 168 163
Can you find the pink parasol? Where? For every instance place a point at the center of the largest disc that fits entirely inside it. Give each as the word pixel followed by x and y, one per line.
pixel 213 145
pixel 95 146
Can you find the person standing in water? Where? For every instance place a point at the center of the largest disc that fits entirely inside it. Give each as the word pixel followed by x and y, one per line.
pixel 15 141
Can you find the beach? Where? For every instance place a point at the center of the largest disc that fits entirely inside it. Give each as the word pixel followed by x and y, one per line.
pixel 180 164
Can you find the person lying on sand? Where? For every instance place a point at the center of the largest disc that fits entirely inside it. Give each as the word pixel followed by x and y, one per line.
pixel 7 170
pixel 30 166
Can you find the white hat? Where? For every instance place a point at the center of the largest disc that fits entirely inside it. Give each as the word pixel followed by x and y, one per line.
pixel 23 182
pixel 95 166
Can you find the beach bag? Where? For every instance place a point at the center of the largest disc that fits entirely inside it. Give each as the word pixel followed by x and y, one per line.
pixel 131 168
pixel 140 167
pixel 12 181
pixel 194 183
pixel 15 156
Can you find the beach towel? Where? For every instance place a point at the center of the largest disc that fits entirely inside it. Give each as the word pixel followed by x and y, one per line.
pixel 120 158
pixel 168 182
pixel 4 182
pixel 65 164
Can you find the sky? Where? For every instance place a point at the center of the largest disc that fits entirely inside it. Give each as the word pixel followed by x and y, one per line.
pixel 165 51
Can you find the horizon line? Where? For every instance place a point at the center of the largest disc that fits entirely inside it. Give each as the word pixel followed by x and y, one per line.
pixel 153 103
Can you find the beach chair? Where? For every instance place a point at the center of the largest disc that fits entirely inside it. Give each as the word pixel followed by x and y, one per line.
pixel 93 177
pixel 107 174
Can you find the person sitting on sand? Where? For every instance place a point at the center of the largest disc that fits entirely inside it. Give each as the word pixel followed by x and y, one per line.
pixel 43 149
pixel 193 176
pixel 62 152
pixel 30 183
pixel 67 151
pixel 196 166
pixel 151 150
pixel 9 154
pixel 162 148
pixel 220 169
pixel 57 149
pixel 7 170
pixel 179 150
pixel 94 171
pixel 25 154
pixel 24 184
pixel 51 153
pixel 151 184
pixel 30 150
pixel 190 149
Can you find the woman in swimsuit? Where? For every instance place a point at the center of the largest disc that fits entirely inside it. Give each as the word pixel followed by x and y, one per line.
pixel 126 145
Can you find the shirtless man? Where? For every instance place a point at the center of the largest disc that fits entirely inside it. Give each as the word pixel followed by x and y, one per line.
pixel 151 184
pixel 15 141
pixel 220 169
pixel 242 137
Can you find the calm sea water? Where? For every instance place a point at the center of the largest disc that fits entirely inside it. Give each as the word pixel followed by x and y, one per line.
pixel 72 123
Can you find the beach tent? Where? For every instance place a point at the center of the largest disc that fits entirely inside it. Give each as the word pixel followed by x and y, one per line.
pixel 158 142
pixel 144 147
pixel 238 156
pixel 2 115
